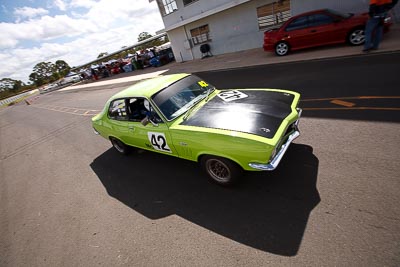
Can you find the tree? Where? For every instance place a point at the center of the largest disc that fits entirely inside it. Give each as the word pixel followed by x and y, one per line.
pixel 42 73
pixel 8 84
pixel 45 72
pixel 143 36
pixel 36 79
pixel 62 68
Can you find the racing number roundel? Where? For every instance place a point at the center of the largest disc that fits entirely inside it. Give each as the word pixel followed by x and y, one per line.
pixel 158 141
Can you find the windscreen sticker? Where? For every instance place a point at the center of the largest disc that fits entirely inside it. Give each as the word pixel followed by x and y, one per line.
pixel 203 84
pixel 228 96
pixel 158 141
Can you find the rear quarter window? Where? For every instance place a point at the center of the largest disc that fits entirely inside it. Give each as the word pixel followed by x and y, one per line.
pixel 297 24
pixel 117 110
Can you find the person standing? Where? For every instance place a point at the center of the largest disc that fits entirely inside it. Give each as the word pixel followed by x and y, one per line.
pixel 374 29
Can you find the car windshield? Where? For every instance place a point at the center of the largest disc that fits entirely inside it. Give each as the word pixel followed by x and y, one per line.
pixel 340 14
pixel 179 97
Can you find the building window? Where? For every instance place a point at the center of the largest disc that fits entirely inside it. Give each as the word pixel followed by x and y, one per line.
pixel 167 6
pixel 273 14
pixel 187 2
pixel 200 35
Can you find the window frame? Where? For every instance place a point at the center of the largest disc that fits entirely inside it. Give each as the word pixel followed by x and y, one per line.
pixel 190 2
pixel 118 118
pixel 202 37
pixel 273 15
pixel 163 6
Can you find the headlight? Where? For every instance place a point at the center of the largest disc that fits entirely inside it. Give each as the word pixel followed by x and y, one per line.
pixel 273 154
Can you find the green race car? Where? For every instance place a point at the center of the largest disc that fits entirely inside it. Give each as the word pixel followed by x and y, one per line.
pixel 226 131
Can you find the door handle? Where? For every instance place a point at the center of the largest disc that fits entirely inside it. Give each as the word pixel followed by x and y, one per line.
pixel 131 128
pixel 313 31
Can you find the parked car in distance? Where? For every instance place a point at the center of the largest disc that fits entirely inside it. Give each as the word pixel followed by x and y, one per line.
pixel 318 28
pixel 181 115
pixel 71 77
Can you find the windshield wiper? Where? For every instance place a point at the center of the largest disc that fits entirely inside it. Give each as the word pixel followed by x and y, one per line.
pixel 190 110
pixel 195 104
pixel 209 92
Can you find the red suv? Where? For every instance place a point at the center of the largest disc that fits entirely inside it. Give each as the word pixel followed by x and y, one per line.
pixel 316 28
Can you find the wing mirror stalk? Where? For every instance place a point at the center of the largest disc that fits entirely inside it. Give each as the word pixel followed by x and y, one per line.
pixel 146 121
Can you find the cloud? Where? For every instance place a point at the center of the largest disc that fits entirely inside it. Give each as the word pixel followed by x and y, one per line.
pixel 45 28
pixel 29 12
pixel 60 5
pixel 82 3
pixel 105 27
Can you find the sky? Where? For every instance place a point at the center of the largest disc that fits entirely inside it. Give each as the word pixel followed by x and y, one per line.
pixel 76 31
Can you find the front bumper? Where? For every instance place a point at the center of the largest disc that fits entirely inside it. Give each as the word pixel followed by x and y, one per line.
pixel 275 162
pixel 268 47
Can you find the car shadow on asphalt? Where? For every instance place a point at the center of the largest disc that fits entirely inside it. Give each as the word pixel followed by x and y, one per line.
pixel 266 211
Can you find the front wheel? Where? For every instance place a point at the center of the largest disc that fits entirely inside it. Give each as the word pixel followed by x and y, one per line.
pixel 120 146
pixel 220 170
pixel 282 49
pixel 356 36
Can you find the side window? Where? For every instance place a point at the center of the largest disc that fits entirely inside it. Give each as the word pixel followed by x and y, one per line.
pixel 139 108
pixel 117 110
pixel 167 6
pixel 297 24
pixel 319 19
pixel 136 109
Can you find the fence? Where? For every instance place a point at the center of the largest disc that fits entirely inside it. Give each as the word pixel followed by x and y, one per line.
pixel 16 98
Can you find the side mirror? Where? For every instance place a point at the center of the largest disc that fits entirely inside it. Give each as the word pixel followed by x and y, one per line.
pixel 146 121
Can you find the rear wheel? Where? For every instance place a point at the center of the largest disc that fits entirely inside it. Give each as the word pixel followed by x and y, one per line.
pixel 282 48
pixel 356 36
pixel 120 146
pixel 221 170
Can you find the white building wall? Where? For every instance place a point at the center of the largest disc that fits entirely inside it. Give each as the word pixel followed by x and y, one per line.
pixel 236 29
pixel 351 6
pixel 178 38
pixel 354 6
pixel 194 9
pixel 232 30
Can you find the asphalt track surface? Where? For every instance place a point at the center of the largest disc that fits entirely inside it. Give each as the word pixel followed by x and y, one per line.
pixel 364 87
pixel 67 198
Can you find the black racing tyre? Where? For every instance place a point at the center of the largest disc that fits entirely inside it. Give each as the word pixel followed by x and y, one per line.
pixel 221 170
pixel 120 146
pixel 356 36
pixel 282 48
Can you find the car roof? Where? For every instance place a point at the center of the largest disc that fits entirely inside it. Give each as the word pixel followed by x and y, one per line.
pixel 149 87
pixel 324 10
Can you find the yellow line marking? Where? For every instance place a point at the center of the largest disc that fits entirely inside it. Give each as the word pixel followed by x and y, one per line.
pixel 349 98
pixel 378 97
pixel 343 103
pixel 354 108
pixel 73 111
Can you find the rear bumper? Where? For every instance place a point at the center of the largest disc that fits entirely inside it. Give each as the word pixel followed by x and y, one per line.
pixel 277 159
